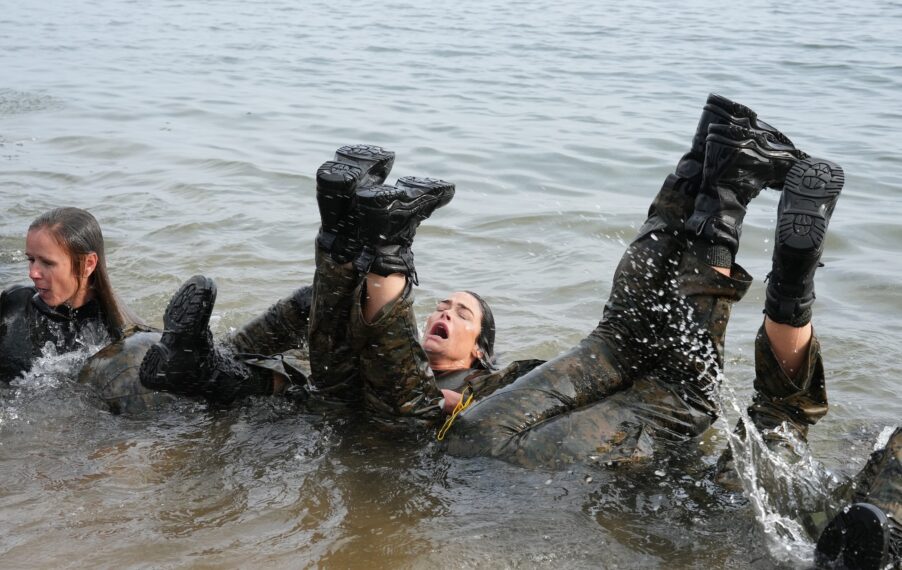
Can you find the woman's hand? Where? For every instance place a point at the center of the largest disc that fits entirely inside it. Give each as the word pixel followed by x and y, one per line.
pixel 450 401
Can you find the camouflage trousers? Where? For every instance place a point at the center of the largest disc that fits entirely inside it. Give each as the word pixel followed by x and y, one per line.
pixel 380 363
pixel 781 402
pixel 647 372
pixel 880 481
pixel 112 374
pixel 273 343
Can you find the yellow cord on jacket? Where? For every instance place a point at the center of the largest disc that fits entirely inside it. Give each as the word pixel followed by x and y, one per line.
pixel 462 405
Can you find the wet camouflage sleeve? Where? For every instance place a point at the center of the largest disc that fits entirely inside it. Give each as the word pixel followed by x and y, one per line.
pixel 645 372
pixel 880 481
pixel 397 379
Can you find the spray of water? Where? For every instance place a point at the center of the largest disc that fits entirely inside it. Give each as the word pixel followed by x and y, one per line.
pixel 786 487
pixel 51 372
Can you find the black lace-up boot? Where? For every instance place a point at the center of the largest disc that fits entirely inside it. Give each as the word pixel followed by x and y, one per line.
pixel 186 362
pixel 858 538
pixel 388 217
pixel 739 163
pixel 719 110
pixel 809 195
pixel 675 200
pixel 336 181
pixel 868 533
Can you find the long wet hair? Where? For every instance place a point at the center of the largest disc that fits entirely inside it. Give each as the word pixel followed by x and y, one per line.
pixel 78 233
pixel 486 339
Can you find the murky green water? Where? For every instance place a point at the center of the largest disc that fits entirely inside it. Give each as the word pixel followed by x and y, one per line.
pixel 192 131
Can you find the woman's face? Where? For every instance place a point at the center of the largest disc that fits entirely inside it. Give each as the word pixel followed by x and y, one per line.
pixel 451 332
pixel 51 270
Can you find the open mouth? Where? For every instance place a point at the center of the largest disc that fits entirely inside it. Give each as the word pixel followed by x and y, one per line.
pixel 440 330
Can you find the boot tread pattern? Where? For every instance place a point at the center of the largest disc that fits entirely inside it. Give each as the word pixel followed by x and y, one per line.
pixel 809 195
pixel 189 310
pixel 365 152
pixel 152 372
pixel 337 176
pixel 375 161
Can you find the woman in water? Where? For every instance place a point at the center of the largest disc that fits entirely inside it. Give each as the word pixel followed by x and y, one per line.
pixel 357 317
pixel 71 303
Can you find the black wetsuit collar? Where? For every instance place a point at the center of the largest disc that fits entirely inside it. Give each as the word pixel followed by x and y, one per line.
pixel 90 310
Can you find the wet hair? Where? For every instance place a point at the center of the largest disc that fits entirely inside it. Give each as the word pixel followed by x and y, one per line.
pixel 78 233
pixel 486 339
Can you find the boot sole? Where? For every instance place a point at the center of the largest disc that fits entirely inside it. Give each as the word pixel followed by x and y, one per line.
pixel 433 195
pixel 154 366
pixel 858 537
pixel 337 178
pixel 810 193
pixel 188 313
pixel 374 161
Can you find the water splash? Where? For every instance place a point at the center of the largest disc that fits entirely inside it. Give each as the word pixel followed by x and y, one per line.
pixel 787 488
pixel 50 375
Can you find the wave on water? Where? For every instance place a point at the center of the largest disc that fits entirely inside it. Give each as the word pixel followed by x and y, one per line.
pixel 14 102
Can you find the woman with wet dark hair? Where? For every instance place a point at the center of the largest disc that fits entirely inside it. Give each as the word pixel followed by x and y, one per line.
pixel 71 302
pixel 71 305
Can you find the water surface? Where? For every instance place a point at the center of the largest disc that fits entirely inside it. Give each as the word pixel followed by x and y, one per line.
pixel 192 131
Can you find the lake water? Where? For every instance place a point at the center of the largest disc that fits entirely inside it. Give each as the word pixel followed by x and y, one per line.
pixel 192 131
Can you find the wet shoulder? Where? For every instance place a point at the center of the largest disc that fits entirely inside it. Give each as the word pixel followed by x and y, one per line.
pixel 113 374
pixel 16 295
pixel 483 382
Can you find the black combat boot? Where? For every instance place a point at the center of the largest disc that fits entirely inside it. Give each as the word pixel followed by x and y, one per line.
pixel 738 163
pixel 719 110
pixel 809 195
pixel 388 217
pixel 674 203
pixel 868 533
pixel 186 362
pixel 336 181
pixel 860 537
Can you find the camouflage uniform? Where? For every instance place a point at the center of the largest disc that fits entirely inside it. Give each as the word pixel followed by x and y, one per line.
pixel 277 340
pixel 334 365
pixel 795 403
pixel 281 331
pixel 880 481
pixel 646 372
pixel 112 373
pixel 784 404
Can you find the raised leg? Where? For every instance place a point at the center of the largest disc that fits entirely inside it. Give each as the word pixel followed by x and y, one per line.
pixel 397 378
pixel 334 365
